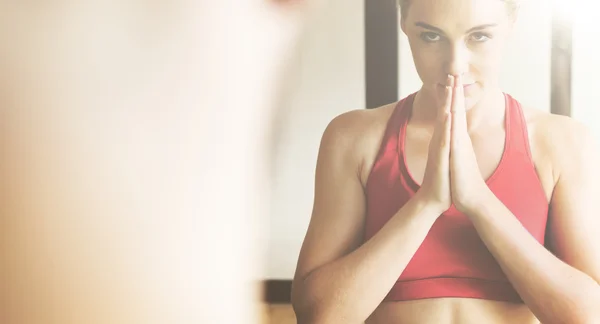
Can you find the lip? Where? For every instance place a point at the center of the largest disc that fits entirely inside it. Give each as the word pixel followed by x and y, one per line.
pixel 465 86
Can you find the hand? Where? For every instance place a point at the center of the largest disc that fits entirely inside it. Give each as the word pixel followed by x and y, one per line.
pixel 435 188
pixel 466 183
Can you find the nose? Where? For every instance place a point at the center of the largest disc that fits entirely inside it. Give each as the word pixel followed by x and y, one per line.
pixel 456 60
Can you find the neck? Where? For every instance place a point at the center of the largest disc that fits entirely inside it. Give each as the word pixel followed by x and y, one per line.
pixel 488 110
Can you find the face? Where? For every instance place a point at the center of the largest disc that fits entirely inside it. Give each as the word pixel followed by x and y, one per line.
pixel 464 37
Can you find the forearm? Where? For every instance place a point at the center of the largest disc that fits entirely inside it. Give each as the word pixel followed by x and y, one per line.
pixel 553 290
pixel 350 289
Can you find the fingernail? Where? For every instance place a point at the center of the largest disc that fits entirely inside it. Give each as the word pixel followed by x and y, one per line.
pixel 448 90
pixel 450 80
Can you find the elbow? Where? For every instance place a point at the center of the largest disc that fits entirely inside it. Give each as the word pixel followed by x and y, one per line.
pixel 590 316
pixel 576 317
pixel 313 305
pixel 579 305
pixel 324 318
pixel 304 309
pixel 305 303
pixel 307 309
pixel 311 310
pixel 323 314
pixel 309 314
pixel 587 311
pixel 310 319
pixel 585 318
pixel 591 312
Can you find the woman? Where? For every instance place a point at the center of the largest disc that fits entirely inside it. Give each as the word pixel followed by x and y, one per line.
pixel 456 204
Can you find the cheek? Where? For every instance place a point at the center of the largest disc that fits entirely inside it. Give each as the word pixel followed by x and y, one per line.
pixel 428 63
pixel 487 59
pixel 485 65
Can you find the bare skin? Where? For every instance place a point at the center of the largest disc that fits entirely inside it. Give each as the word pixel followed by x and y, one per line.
pixel 343 278
pixel 464 310
pixel 364 128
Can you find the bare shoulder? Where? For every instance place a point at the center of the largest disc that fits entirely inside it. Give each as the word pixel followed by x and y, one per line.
pixel 355 124
pixel 564 141
pixel 357 134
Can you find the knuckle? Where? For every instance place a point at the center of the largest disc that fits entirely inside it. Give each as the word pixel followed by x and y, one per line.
pixel 445 142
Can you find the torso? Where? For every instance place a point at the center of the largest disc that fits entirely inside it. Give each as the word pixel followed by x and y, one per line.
pixel 458 310
pixel 452 311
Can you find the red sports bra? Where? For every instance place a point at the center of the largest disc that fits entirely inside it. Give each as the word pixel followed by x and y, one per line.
pixel 452 261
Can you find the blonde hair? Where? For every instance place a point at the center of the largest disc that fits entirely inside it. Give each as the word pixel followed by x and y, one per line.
pixel 513 6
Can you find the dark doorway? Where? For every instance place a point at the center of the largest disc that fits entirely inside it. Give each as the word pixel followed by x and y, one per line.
pixel 381 52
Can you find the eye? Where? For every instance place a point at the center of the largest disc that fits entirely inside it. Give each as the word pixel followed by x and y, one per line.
pixel 430 37
pixel 480 37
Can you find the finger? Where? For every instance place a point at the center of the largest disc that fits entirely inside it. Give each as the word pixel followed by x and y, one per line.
pixel 446 122
pixel 459 116
pixel 448 91
pixel 458 96
pixel 442 133
pixel 459 119
pixel 439 149
pixel 446 133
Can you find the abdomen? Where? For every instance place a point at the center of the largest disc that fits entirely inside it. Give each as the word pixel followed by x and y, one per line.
pixel 452 311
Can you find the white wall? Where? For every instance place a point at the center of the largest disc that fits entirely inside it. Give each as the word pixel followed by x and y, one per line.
pixel 328 81
pixel 526 72
pixel 586 65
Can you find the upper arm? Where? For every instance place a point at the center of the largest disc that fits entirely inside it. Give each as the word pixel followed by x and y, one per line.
pixel 574 220
pixel 337 221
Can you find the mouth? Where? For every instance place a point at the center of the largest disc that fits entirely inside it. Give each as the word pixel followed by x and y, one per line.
pixel 465 86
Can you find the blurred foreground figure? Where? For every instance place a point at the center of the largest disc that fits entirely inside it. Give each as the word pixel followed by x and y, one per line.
pixel 134 134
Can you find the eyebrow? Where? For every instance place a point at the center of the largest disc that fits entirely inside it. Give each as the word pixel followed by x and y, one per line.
pixel 430 27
